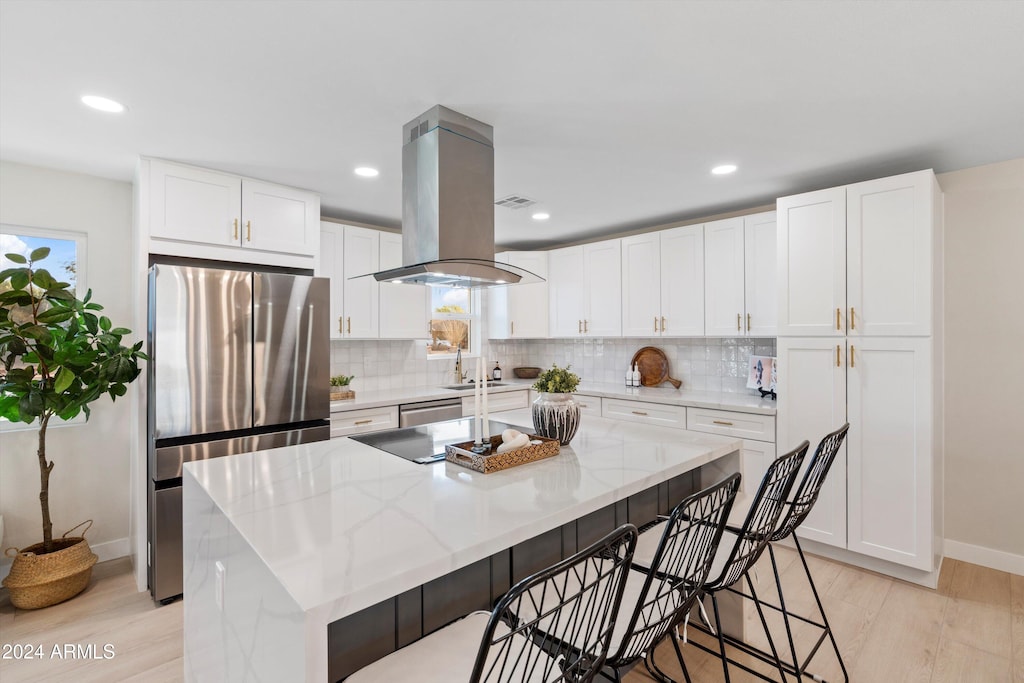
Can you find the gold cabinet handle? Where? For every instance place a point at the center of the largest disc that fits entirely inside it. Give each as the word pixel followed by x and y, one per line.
pixel 748 322
pixel 655 323
pixel 363 422
pixel 579 326
pixel 584 405
pixel 341 324
pixel 248 231
pixel 348 321
pixel 738 324
pixel 235 237
pixel 662 323
pixel 838 356
pixel 639 412
pixel 721 422
pixel 853 323
pixel 837 320
pixel 586 327
pixel 851 355
pixel 512 328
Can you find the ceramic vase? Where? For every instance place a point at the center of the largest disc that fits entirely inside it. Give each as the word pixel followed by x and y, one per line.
pixel 556 416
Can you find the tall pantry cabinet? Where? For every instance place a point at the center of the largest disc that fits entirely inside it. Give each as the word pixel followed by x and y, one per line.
pixel 859 320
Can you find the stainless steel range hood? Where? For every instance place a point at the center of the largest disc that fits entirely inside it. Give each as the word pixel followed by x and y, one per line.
pixel 448 205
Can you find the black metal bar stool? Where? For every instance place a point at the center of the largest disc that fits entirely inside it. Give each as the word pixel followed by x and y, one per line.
pixel 739 550
pixel 798 509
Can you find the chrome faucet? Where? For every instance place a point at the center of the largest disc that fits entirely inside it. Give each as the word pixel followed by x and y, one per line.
pixel 458 366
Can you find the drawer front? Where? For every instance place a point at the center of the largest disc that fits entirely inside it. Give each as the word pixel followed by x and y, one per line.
pixel 728 423
pixel 588 404
pixel 362 421
pixel 647 413
pixel 508 400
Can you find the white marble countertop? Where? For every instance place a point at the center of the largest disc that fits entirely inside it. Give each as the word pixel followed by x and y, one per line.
pixel 343 525
pixel 744 403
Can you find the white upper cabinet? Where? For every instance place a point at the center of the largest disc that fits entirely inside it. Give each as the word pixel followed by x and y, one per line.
pixel 641 285
pixel 361 295
pixel 520 311
pixel 208 214
pixel 602 263
pixel 332 251
pixel 280 219
pixel 585 290
pixel 194 205
pixel 761 298
pixel 403 308
pixel 889 226
pixel 566 287
pixel 663 283
pixel 723 278
pixel 812 263
pixel 857 260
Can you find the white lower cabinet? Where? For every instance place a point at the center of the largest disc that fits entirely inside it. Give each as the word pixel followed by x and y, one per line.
pixel 878 499
pixel 587 404
pixel 497 402
pixel 757 432
pixel 351 422
pixel 643 412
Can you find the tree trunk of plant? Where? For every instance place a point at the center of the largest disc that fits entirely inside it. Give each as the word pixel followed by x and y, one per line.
pixel 44 484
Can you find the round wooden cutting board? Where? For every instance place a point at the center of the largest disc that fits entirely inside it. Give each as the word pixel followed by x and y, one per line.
pixel 653 365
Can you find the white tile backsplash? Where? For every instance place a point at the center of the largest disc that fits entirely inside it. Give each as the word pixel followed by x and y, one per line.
pixel 702 364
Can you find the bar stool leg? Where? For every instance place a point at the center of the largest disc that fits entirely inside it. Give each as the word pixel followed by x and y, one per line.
pixel 764 624
pixel 785 615
pixel 821 608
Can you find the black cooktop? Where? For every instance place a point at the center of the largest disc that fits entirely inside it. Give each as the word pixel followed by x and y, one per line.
pixel 425 444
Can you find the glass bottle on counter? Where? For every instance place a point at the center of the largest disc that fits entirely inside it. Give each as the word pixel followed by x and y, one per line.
pixel 496 372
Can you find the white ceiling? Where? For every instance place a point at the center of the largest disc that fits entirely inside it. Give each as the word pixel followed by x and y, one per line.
pixel 609 113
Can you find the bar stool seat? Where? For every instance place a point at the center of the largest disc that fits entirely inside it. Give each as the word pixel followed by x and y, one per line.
pixel 445 656
pixel 575 603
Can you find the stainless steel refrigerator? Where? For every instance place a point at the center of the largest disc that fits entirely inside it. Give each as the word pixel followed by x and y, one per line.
pixel 240 361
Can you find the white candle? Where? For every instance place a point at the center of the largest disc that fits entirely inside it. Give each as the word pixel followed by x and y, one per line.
pixel 487 436
pixel 476 404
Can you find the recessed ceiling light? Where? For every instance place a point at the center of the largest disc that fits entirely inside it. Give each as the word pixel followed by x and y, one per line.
pixel 367 172
pixel 724 169
pixel 541 216
pixel 103 104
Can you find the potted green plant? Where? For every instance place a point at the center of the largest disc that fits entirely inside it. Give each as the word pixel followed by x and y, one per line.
pixel 58 355
pixel 556 414
pixel 339 387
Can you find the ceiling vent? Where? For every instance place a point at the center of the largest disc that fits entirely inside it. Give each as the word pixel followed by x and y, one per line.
pixel 515 201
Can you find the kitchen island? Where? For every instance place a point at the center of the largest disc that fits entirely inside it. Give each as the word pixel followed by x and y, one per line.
pixel 304 562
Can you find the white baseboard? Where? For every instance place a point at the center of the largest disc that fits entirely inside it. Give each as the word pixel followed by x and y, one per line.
pixel 986 557
pixel 111 550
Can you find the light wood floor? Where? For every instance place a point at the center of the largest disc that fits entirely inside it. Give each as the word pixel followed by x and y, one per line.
pixel 970 629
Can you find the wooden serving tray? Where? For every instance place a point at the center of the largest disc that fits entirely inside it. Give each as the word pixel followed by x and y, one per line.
pixel 653 366
pixel 460 454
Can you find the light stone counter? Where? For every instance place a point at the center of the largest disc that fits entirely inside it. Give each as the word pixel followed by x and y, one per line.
pixel 740 402
pixel 278 544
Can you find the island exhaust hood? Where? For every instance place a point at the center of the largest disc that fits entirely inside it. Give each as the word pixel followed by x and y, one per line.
pixel 448 205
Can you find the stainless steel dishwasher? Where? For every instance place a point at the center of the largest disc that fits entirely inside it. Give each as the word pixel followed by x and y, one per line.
pixel 413 414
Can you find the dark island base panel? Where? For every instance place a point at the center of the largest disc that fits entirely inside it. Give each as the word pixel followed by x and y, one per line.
pixel 368 635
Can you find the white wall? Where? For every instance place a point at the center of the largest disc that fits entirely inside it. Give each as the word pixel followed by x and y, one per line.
pixel 984 371
pixel 91 460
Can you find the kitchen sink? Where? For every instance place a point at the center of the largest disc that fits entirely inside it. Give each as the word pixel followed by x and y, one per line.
pixel 468 387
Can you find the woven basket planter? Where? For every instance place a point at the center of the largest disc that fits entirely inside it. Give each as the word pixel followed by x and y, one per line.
pixel 342 394
pixel 41 580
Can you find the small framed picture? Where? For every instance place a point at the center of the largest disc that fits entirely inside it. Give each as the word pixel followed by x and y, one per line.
pixel 762 373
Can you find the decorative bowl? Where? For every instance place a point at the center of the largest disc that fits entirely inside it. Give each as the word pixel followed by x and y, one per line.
pixel 526 373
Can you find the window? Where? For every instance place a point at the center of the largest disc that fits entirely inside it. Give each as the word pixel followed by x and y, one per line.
pixel 66 263
pixel 454 312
